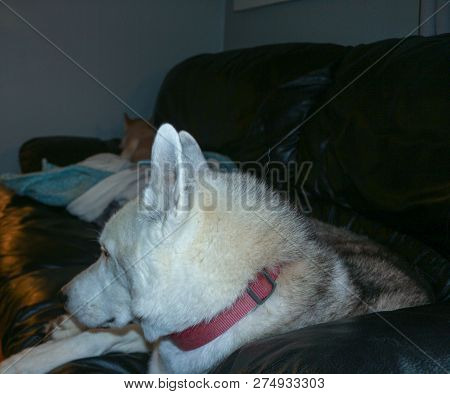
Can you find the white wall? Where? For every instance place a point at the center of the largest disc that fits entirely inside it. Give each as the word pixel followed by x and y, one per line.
pixel 337 21
pixel 128 45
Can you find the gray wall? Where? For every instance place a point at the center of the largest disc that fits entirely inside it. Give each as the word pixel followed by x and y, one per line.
pixel 128 45
pixel 336 21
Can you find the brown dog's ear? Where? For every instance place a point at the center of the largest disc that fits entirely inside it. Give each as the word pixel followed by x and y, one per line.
pixel 127 119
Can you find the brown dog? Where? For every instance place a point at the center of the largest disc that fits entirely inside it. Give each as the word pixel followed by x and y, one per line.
pixel 137 142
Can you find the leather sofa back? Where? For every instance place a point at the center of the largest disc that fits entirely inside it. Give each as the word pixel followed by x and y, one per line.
pixel 217 97
pixel 379 137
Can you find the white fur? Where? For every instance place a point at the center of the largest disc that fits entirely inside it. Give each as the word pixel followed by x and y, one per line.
pixel 56 352
pixel 171 267
pixel 185 251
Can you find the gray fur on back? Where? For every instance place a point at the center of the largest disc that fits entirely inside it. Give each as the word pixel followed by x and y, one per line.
pixel 371 276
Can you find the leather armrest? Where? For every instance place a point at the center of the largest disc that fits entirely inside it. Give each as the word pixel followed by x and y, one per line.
pixel 412 340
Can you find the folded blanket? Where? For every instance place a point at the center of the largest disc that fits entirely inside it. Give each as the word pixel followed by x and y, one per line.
pixel 58 186
pixel 117 188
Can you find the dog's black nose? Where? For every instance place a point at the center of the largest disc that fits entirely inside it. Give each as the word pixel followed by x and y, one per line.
pixel 62 297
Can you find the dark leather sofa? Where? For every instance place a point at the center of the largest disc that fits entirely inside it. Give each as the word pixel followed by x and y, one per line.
pixel 380 151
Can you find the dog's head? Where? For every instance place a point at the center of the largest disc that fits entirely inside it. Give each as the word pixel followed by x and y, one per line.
pixel 138 139
pixel 176 255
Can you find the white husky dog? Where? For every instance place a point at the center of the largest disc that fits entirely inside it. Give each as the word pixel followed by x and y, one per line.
pixel 205 262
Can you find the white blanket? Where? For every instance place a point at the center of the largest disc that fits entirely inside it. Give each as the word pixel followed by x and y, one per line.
pixel 120 187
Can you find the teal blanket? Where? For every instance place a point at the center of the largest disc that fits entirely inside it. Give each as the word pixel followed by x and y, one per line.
pixel 57 186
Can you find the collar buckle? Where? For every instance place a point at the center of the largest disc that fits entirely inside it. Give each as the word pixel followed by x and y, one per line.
pixel 255 296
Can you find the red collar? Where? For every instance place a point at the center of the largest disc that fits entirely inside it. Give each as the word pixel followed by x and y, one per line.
pixel 257 292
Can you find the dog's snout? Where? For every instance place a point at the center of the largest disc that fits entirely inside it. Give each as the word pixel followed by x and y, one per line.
pixel 62 297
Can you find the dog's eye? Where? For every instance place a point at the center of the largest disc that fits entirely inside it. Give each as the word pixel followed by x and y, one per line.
pixel 105 253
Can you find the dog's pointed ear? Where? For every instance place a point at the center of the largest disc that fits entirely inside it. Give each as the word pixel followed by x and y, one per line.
pixel 161 192
pixel 127 119
pixel 177 161
pixel 190 170
pixel 191 151
pixel 166 149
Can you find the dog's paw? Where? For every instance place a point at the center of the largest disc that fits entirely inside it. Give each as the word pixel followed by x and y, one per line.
pixel 62 327
pixel 18 363
pixel 7 366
